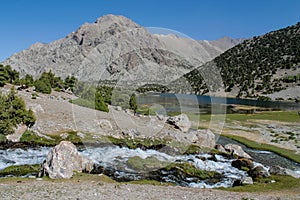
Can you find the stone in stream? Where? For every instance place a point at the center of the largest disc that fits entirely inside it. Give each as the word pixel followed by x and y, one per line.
pixel 180 122
pixel 277 170
pixel 243 164
pixel 63 160
pixel 237 150
pixel 259 172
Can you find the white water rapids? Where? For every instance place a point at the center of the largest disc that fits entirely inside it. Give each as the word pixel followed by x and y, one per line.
pixel 116 157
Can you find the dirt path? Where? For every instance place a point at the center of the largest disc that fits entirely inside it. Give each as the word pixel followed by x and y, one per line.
pixel 77 190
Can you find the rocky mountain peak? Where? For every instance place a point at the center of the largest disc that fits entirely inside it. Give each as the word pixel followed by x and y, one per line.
pixel 113 46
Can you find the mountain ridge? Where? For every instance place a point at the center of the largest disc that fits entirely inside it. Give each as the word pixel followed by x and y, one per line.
pixel 111 47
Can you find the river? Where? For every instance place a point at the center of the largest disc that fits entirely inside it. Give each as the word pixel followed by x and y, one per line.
pixel 115 158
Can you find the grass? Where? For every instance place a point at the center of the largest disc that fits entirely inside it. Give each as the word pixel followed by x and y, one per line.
pixel 20 170
pixel 190 170
pixel 282 183
pixel 31 138
pixel 283 116
pixel 255 145
pixel 134 143
pixel 3 138
pixel 149 163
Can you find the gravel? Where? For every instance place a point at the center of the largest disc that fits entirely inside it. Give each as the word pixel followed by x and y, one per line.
pixel 77 190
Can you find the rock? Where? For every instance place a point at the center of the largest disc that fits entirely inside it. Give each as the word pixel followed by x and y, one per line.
pixel 247 181
pixel 105 124
pixel 64 135
pixel 244 181
pixel 19 130
pixel 119 108
pixel 220 148
pixel 277 170
pixel 63 160
pixel 237 150
pixel 161 117
pixel 243 163
pixel 180 122
pixel 81 135
pixel 258 172
pixel 202 138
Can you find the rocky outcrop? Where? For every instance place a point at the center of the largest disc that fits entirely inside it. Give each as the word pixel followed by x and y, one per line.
pixel 277 170
pixel 112 46
pixel 237 150
pixel 180 122
pixel 63 160
pixel 258 172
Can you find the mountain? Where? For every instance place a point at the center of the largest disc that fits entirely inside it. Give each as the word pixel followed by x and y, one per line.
pixel 115 47
pixel 267 65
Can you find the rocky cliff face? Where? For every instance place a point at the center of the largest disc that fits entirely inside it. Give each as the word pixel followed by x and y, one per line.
pixel 114 47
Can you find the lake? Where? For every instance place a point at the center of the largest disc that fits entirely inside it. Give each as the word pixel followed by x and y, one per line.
pixel 199 104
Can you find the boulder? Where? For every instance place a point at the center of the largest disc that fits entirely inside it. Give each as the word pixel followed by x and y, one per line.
pixel 180 122
pixel 244 181
pixel 259 172
pixel 247 181
pixel 243 164
pixel 277 170
pixel 63 160
pixel 202 138
pixel 220 148
pixel 105 124
pixel 237 150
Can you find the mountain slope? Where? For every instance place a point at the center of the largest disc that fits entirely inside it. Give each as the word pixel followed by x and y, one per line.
pixel 259 66
pixel 112 47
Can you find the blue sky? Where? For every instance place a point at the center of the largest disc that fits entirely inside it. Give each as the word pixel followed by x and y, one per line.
pixel 24 22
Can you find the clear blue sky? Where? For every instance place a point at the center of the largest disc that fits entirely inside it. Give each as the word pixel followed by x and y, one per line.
pixel 24 22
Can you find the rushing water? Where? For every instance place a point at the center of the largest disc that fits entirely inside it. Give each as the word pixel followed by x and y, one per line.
pixel 116 158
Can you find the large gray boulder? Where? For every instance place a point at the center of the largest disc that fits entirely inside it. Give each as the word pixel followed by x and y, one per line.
pixel 202 138
pixel 277 170
pixel 237 150
pixel 63 160
pixel 180 122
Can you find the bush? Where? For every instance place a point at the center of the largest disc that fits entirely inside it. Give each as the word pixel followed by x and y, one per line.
pixel 13 112
pixel 99 103
pixel 43 85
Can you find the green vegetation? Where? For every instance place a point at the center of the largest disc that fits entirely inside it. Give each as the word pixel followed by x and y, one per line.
pixel 48 80
pixel 3 138
pixel 132 103
pixel 283 116
pixel 189 170
pixel 13 112
pixel 135 143
pixel 280 151
pixel 153 88
pixel 147 164
pixel 282 183
pixel 7 75
pixel 20 170
pixel 250 66
pixel 30 137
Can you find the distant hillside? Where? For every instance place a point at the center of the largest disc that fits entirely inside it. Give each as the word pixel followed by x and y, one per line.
pixel 259 66
pixel 113 47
